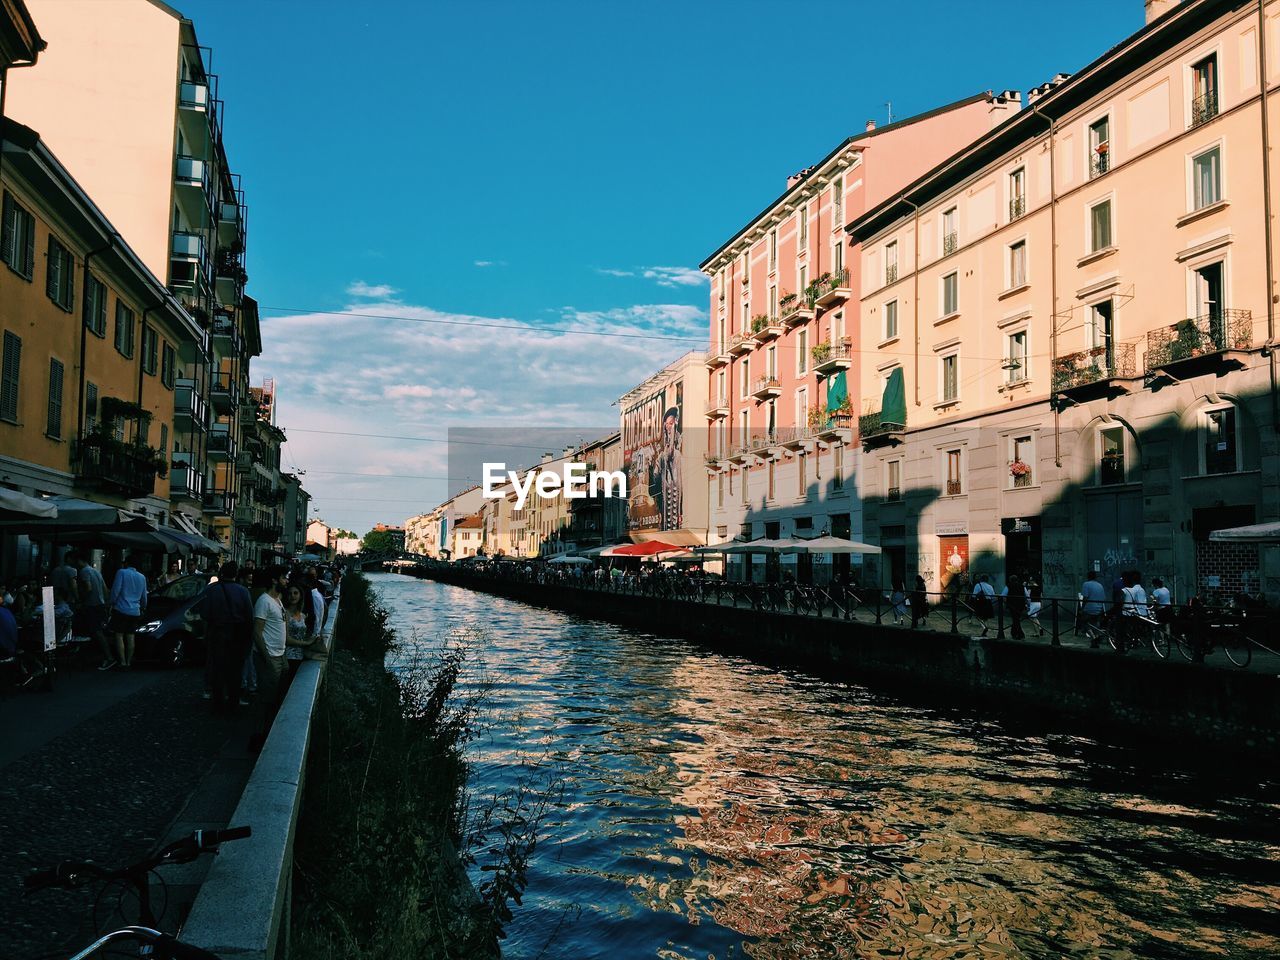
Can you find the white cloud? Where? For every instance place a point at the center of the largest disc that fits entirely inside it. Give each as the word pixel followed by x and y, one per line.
pixel 345 372
pixel 609 272
pixel 372 291
pixel 490 263
pixel 663 276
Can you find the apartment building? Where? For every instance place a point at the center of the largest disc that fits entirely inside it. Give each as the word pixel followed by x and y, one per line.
pixel 1073 320
pixel 784 323
pixel 20 40
pixel 126 97
pixel 468 537
pixel 259 512
pixel 91 341
pixel 296 504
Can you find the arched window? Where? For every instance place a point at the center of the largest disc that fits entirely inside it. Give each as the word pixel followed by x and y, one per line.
pixel 1219 440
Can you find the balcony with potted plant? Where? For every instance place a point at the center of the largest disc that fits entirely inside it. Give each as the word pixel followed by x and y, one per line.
pixel 767 387
pixel 794 310
pixel 1098 371
pixel 740 344
pixel 1199 344
pixel 764 329
pixel 832 289
pixel 829 358
pixel 1020 472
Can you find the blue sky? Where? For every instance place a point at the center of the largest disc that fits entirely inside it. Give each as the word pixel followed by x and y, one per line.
pixel 549 164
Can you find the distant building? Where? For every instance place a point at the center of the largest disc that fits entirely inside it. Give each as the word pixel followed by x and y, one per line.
pixel 468 537
pixel 321 538
pixel 346 546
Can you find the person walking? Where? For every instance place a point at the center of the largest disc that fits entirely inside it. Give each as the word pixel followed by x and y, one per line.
pixel 1161 602
pixel 898 600
pixel 1093 604
pixel 91 614
pixel 128 602
pixel 227 613
pixel 919 602
pixel 984 601
pixel 270 638
pixel 1015 605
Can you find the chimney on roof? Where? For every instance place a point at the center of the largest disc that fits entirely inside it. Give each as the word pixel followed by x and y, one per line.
pixel 1035 93
pixel 1158 8
pixel 871 125
pixel 798 176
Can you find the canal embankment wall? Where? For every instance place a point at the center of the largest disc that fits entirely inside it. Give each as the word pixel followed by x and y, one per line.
pixel 1182 704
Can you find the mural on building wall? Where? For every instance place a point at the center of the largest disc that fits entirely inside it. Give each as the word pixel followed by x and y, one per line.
pixel 953 558
pixel 653 460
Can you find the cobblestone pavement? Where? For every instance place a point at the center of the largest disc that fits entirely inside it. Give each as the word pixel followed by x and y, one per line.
pixel 104 790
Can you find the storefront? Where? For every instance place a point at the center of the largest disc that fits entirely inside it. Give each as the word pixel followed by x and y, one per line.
pixel 1022 548
pixel 953 553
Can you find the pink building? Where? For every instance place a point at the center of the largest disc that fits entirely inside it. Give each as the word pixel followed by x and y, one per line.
pixel 784 324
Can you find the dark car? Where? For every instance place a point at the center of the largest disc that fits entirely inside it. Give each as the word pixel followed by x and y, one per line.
pixel 166 636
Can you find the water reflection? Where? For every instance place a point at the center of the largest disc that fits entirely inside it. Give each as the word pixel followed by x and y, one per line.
pixel 713 807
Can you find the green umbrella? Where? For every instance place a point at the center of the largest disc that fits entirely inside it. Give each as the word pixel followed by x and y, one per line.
pixel 893 409
pixel 837 391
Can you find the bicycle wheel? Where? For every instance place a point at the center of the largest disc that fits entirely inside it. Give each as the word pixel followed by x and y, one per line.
pixel 1186 646
pixel 1161 643
pixel 1114 637
pixel 1238 647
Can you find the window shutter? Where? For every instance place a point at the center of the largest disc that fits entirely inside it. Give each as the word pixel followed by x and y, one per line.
pixel 53 272
pixel 7 232
pixel 54 428
pixel 90 405
pixel 29 263
pixel 12 364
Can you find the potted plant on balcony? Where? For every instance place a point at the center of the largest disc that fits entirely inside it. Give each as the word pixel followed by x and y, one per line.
pixel 841 414
pixel 785 302
pixel 1021 473
pixel 817 419
pixel 759 322
pixel 821 352
pixel 1186 342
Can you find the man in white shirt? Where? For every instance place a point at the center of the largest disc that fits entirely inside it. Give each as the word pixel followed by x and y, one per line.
pixel 1093 603
pixel 268 647
pixel 128 603
pixel 1161 601
pixel 317 603
pixel 1137 595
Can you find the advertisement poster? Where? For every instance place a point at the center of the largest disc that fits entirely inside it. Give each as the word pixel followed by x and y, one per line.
pixel 653 459
pixel 953 558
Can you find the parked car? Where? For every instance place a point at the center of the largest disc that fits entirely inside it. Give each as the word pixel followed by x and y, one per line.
pixel 166 636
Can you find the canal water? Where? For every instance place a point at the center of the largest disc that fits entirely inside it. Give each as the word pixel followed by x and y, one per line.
pixel 706 806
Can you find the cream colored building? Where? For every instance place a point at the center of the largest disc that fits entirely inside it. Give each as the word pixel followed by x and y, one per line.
pixel 1078 308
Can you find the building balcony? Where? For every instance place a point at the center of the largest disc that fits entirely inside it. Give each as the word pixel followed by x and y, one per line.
pixel 265 532
pixel 740 344
pixel 244 462
pixel 718 409
pixel 718 356
pixel 222 393
pixel 1099 160
pixel 1017 207
pixel 1094 371
pixel 186 480
pixel 764 329
pixel 193 95
pixel 188 246
pixel 835 425
pixel 877 432
pixel 830 358
pixel 191 172
pixel 832 290
pixel 1200 343
pixel 950 243
pixel 244 516
pixel 1204 108
pixel 231 222
pixel 228 270
pixel 766 388
pixel 226 333
pixel 124 468
pixel 796 311
pixel 190 411
pixel 222 443
pixel 220 503
pixel 890 274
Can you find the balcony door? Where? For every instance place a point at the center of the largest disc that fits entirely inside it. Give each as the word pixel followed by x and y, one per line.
pixel 1102 331
pixel 1209 302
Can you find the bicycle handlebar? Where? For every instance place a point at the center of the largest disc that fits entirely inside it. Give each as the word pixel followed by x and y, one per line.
pixel 166 947
pixel 71 873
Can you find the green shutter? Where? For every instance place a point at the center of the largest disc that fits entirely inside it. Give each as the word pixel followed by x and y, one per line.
pixel 30 262
pixel 53 272
pixel 8 232
pixel 90 405
pixel 54 428
pixel 10 367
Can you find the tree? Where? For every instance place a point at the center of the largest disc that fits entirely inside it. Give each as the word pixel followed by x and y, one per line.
pixel 379 541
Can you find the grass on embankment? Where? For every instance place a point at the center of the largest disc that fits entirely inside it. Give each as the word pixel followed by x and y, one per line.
pixel 377 874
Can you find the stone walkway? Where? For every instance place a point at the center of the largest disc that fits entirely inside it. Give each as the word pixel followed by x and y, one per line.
pixel 105 768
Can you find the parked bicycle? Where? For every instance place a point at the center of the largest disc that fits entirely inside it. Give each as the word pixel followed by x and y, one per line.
pixel 135 878
pixel 1198 631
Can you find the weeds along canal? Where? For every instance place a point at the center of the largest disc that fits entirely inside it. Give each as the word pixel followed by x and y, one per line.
pixel 702 805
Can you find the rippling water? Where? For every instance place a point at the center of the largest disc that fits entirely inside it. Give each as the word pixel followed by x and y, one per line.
pixel 712 807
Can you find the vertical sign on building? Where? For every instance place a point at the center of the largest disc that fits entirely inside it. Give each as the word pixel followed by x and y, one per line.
pixel 653 460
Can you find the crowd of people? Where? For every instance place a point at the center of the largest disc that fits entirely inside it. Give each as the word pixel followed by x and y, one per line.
pixel 258 624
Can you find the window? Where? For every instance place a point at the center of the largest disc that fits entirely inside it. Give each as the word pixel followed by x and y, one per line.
pixel 95 307
pixel 1017 193
pixel 773 302
pixel 1021 461
pixel 950 237
pixel 720 490
pixel 1100 327
pixel 124 329
pixel 1204 90
pixel 1206 178
pixel 802 475
pixel 950 378
pixel 744 428
pixel 771 357
pixel 891 320
pixel 891 262
pixel 802 280
pixel 54 426
pixel 12 366
pixel 150 350
pixel 1111 456
pixel 837 201
pixel 802 407
pixel 746 268
pixel 1015 363
pixel 955 479
pixel 722 391
pixel 837 467
pixel 771 491
pixel 60 275
pixel 1018 265
pixel 743 485
pixel 1220 446
pixel 950 294
pixel 773 250
pixel 804 229
pixel 837 258
pixel 90 406
pixel 1099 147
pixel 1100 226
pixel 18 238
pixel 893 480
pixel 802 352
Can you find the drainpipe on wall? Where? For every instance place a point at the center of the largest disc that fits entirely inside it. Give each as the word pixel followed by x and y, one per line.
pixel 1053 281
pixel 84 330
pixel 915 296
pixel 1266 211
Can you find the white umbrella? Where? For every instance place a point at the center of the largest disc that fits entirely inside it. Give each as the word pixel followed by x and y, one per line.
pixel 576 561
pixel 827 545
pixel 746 546
pixel 1254 533
pixel 13 502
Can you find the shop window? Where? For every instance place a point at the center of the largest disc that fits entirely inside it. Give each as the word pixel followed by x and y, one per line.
pixel 1221 443
pixel 1111 459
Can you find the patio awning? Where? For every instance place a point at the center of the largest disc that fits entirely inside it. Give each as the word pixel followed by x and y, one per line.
pixel 15 505
pixel 762 545
pixel 73 515
pixel 827 545
pixel 649 548
pixel 1253 533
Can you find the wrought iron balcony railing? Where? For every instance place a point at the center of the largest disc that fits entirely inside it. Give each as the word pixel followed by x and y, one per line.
pixel 890 273
pixel 1204 108
pixel 1100 161
pixel 1096 364
pixel 124 467
pixel 1017 207
pixel 950 243
pixel 1199 337
pixel 873 425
